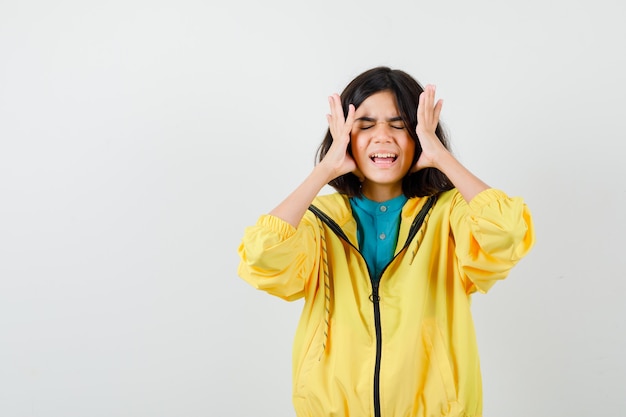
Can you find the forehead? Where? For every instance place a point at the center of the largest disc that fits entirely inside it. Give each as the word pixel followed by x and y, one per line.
pixel 382 104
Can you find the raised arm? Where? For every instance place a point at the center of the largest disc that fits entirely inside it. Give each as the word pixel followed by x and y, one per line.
pixel 336 163
pixel 435 155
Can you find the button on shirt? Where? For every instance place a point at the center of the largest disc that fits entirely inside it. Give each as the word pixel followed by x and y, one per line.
pixel 377 230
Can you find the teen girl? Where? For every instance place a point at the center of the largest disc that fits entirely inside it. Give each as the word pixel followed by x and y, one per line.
pixel 388 263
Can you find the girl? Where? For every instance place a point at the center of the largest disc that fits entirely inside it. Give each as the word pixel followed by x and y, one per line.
pixel 388 263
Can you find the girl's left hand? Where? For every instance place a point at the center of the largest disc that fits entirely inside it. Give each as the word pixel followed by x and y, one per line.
pixel 427 120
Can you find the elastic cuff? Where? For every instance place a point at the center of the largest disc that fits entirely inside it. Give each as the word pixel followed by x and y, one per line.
pixel 486 197
pixel 278 225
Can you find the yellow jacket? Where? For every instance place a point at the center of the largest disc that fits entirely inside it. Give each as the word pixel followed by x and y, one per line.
pixel 408 347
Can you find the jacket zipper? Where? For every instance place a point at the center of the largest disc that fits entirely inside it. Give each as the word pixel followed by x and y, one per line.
pixel 379 348
pixel 374 297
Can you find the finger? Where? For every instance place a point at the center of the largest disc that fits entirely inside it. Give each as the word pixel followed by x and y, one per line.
pixel 350 117
pixel 345 126
pixel 335 105
pixel 437 111
pixel 425 113
pixel 430 100
pixel 421 107
pixel 331 106
pixel 335 119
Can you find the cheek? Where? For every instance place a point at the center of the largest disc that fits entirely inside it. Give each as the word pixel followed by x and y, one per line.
pixel 356 145
pixel 410 149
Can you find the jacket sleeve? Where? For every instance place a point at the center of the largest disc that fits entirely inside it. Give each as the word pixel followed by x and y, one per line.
pixel 492 233
pixel 276 257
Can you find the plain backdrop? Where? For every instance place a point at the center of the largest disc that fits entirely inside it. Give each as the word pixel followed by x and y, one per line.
pixel 139 138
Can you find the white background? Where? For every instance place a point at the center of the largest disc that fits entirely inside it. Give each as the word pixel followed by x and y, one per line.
pixel 139 138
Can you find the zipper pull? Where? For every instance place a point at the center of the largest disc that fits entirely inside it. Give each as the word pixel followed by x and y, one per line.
pixel 374 298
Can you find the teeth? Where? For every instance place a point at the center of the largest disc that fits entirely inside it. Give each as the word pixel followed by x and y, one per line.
pixel 383 155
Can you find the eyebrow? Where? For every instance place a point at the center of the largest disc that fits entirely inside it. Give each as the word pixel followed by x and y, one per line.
pixel 371 119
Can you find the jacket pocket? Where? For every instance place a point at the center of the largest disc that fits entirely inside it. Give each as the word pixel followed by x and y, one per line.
pixel 438 355
pixel 308 360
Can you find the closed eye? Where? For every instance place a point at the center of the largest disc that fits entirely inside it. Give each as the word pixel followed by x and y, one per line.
pixel 367 123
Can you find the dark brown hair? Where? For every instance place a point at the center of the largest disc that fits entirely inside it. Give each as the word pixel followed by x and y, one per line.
pixel 406 89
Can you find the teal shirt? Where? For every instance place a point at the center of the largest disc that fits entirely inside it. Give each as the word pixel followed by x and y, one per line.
pixel 377 230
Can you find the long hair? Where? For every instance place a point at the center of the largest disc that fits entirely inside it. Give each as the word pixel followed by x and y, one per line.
pixel 406 89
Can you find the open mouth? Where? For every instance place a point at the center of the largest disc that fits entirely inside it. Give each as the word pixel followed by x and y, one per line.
pixel 383 158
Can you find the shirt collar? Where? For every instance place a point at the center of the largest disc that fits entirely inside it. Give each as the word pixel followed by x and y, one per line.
pixel 370 206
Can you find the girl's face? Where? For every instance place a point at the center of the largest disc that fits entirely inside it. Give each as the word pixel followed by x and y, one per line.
pixel 381 146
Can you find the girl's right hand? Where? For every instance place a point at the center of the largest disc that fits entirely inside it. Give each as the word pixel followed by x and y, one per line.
pixel 337 158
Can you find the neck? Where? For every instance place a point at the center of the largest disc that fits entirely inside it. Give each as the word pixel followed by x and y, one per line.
pixel 380 193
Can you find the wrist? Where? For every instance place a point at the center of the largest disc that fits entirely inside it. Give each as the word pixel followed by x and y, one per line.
pixel 324 173
pixel 444 160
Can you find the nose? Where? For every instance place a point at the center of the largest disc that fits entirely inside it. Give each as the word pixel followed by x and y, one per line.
pixel 382 132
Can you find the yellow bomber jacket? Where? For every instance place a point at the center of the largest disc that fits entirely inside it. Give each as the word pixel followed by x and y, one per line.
pixel 406 347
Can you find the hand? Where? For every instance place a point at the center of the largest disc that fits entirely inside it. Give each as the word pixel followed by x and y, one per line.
pixel 337 157
pixel 427 120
